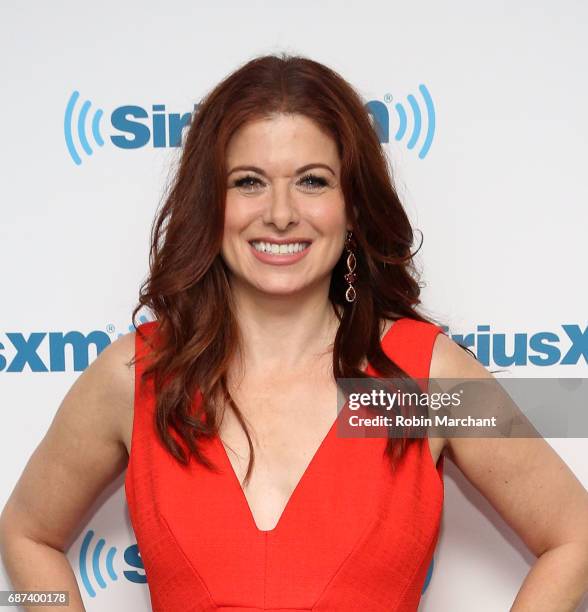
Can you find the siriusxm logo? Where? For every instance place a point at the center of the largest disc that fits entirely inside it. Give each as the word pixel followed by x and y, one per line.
pixel 91 564
pixel 540 349
pixel 137 127
pixel 21 352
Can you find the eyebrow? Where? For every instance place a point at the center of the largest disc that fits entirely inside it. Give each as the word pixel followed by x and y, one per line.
pixel 299 171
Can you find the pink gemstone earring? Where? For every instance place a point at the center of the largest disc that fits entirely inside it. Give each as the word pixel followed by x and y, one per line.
pixel 350 277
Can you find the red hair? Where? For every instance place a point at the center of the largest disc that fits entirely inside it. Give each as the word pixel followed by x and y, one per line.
pixel 187 288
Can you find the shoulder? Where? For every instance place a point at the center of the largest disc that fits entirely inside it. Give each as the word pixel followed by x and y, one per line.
pixel 115 366
pixel 116 357
pixel 450 360
pixel 112 376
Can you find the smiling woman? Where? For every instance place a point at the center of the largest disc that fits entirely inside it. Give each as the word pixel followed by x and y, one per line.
pixel 281 264
pixel 304 275
pixel 277 213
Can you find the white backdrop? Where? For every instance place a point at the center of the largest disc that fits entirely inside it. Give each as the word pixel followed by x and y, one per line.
pixel 500 196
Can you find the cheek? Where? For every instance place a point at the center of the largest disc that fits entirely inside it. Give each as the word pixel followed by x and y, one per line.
pixel 328 215
pixel 238 214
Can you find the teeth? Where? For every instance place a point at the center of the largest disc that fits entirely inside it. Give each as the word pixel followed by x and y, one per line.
pixel 280 249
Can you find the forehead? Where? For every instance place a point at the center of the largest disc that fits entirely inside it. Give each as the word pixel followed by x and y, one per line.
pixel 280 142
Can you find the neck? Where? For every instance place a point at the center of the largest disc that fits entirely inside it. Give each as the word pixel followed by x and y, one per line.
pixel 288 332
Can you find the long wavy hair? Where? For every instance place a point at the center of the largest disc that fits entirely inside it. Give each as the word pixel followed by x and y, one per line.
pixel 188 289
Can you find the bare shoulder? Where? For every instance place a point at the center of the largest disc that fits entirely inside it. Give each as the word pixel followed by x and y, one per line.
pixel 450 360
pixel 116 361
pixel 117 369
pixel 110 379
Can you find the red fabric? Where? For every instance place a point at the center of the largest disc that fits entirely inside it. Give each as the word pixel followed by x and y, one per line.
pixel 354 536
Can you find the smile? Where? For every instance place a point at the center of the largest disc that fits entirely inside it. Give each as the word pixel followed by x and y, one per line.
pixel 279 254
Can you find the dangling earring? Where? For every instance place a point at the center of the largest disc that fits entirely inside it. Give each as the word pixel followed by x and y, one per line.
pixel 350 277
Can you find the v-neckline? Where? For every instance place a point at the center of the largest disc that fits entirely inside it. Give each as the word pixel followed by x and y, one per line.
pixel 305 474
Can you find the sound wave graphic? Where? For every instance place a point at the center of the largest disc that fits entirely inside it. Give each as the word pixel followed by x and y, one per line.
pixel 381 116
pixel 79 128
pixel 417 121
pixel 84 550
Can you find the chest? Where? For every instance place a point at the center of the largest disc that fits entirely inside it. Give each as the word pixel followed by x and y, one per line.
pixel 288 420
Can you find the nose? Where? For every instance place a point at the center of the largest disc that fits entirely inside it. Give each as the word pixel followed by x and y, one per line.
pixel 281 208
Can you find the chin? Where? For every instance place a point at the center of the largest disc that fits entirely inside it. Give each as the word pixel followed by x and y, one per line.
pixel 281 291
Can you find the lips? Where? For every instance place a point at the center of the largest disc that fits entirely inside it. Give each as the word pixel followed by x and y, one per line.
pixel 279 240
pixel 279 259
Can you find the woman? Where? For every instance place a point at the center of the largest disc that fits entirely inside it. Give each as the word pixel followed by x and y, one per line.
pixel 280 262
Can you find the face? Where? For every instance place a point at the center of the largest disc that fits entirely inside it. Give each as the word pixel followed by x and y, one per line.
pixel 285 219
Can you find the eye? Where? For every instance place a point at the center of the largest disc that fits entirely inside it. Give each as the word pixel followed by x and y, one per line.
pixel 318 182
pixel 246 182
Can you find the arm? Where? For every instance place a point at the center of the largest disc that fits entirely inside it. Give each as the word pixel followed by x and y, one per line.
pixel 534 491
pixel 81 453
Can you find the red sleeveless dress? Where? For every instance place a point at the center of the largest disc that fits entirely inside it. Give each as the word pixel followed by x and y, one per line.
pixel 354 536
